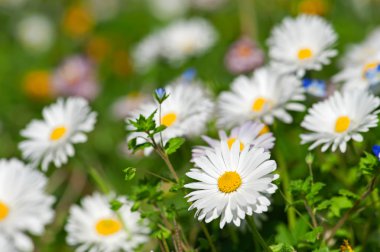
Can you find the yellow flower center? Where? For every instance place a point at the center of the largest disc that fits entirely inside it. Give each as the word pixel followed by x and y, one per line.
pixel 4 211
pixel 342 124
pixel 108 226
pixel 264 130
pixel 168 119
pixel 231 141
pixel 305 53
pixel 313 7
pixel 229 182
pixel 258 104
pixel 57 133
pixel 369 66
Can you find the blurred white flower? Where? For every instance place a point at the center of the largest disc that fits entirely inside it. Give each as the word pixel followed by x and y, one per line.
pixel 301 44
pixel 93 226
pixel 231 183
pixel 103 10
pixel 35 33
pixel 340 118
pixel 168 9
pixel 125 105
pixel 185 112
pixel 249 135
pixel 146 52
pixel 24 205
pixel 76 76
pixel 51 139
pixel 187 38
pixel 176 43
pixel 361 64
pixel 263 97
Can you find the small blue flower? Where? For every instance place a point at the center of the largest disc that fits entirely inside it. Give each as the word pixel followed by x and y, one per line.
pixel 189 74
pixel 376 150
pixel 315 87
pixel 160 92
pixel 373 75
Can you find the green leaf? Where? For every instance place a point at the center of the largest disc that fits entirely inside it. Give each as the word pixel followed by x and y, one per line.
pixel 115 204
pixel 173 144
pixel 368 164
pixel 130 173
pixel 135 206
pixel 313 235
pixel 142 146
pixel 281 247
pixel 132 144
pixel 339 203
pixel 159 129
pixel 162 233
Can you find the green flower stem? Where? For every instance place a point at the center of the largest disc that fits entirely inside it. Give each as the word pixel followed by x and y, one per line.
pixel 103 186
pixel 248 18
pixel 208 236
pixel 256 235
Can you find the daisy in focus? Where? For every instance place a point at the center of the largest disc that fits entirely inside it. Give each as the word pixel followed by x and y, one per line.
pixel 185 112
pixel 51 140
pixel 24 205
pixel 301 44
pixel 263 97
pixel 231 183
pixel 340 118
pixel 249 135
pixel 93 226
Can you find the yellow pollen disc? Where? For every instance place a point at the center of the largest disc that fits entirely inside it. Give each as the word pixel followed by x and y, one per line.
pixel 305 53
pixel 108 226
pixel 369 66
pixel 57 133
pixel 342 124
pixel 168 119
pixel 4 211
pixel 231 141
pixel 229 182
pixel 258 104
pixel 264 130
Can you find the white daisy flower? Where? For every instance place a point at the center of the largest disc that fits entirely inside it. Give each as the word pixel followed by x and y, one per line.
pixel 340 118
pixel 24 205
pixel 185 112
pixel 301 44
pixel 250 134
pixel 147 52
pixel 168 9
pixel 51 139
pixel 36 33
pixel 187 38
pixel 6 245
pixel 231 183
pixel 262 97
pixel 93 226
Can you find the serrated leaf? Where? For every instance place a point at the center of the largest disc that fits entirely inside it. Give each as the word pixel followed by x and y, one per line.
pixel 173 145
pixel 368 164
pixel 313 235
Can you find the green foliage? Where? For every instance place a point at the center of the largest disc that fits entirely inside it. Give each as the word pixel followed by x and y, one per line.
pixel 130 173
pixel 174 144
pixel 281 247
pixel 368 164
pixel 115 205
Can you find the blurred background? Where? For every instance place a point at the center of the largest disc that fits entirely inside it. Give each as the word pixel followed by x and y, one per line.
pixel 92 48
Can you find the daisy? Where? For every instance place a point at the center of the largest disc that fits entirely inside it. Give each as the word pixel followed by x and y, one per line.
pixel 250 134
pixel 93 226
pixel 147 52
pixel 262 97
pixel 187 38
pixel 301 44
pixel 231 183
pixel 51 139
pixel 24 205
pixel 185 112
pixel 343 116
pixel 168 9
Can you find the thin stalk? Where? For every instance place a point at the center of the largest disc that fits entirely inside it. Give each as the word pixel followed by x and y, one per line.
pixel 165 245
pixel 99 180
pixel 256 235
pixel 247 16
pixel 208 236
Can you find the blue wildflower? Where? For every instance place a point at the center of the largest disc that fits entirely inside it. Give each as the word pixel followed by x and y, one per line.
pixel 315 87
pixel 376 150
